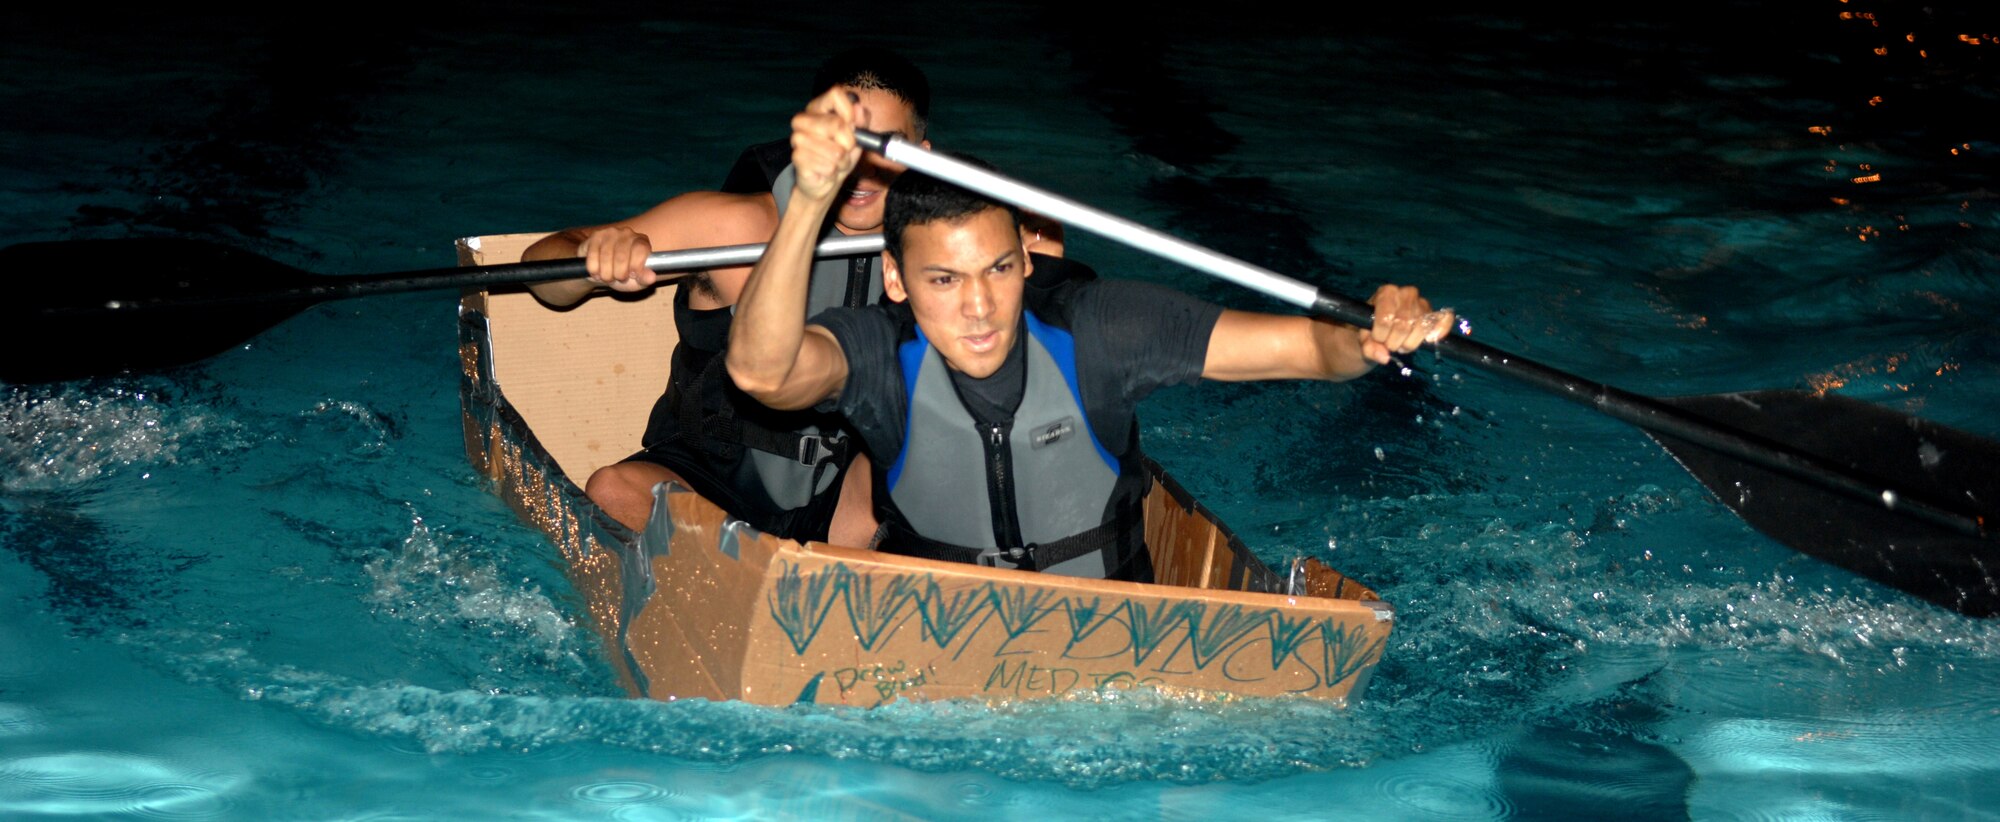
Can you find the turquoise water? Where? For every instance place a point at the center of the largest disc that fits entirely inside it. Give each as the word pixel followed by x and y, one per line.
pixel 269 585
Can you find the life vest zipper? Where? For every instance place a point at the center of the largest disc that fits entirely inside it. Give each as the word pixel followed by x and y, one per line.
pixel 858 277
pixel 1000 486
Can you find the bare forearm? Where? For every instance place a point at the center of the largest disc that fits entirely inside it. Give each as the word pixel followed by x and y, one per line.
pixel 1251 346
pixel 769 329
pixel 772 355
pixel 561 245
pixel 1338 346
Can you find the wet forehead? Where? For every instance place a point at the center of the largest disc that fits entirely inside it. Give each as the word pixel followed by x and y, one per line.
pixel 887 112
pixel 969 243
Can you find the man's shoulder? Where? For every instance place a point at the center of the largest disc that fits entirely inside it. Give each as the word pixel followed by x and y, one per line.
pixel 870 338
pixel 728 205
pixel 1130 316
pixel 1111 294
pixel 1071 300
pixel 756 170
pixel 727 218
pixel 890 323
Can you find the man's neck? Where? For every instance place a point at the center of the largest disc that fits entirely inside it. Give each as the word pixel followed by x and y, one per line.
pixel 994 397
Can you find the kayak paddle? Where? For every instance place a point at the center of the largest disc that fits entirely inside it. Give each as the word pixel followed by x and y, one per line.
pixel 175 301
pixel 1901 500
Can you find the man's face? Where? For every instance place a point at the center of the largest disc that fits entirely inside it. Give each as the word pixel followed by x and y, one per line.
pixel 963 280
pixel 860 204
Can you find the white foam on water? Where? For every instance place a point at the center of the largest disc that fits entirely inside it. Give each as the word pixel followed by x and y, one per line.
pixel 435 579
pixel 64 438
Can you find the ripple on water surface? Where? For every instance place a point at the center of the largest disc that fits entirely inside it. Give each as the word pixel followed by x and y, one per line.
pixel 95 784
pixel 1458 789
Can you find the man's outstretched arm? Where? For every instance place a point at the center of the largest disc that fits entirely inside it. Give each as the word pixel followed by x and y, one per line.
pixel 1250 346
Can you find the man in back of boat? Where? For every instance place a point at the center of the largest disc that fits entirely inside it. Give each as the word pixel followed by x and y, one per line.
pixel 1000 418
pixel 784 473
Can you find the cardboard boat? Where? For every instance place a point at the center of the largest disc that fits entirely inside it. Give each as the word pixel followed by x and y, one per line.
pixel 698 605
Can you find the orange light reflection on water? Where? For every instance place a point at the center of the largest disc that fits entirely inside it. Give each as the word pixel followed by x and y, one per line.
pixel 1822 384
pixel 1841 375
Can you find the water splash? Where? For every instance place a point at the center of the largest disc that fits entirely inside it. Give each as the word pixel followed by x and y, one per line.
pixel 439 582
pixel 65 437
pixel 1089 741
pixel 354 428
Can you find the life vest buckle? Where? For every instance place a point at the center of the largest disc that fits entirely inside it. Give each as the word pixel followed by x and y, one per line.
pixel 1022 558
pixel 814 449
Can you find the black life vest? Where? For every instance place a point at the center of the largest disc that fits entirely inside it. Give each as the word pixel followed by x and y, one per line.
pixel 786 453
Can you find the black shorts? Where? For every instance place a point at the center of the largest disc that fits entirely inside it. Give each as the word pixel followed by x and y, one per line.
pixel 716 480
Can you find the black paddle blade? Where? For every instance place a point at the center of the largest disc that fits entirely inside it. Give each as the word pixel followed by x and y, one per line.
pixel 1919 461
pixel 86 308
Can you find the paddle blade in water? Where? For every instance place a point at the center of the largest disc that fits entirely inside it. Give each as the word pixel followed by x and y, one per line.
pixel 85 308
pixel 1912 459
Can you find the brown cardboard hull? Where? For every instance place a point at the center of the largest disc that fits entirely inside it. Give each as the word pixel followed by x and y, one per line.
pixel 698 605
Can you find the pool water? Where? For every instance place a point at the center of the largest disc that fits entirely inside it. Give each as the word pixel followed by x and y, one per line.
pixel 269 585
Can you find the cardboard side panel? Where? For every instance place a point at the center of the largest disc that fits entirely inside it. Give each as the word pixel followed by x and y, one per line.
pixel 503 449
pixel 584 378
pixel 842 626
pixel 1322 581
pixel 1183 544
pixel 493 249
pixel 676 665
pixel 702 590
pixel 504 445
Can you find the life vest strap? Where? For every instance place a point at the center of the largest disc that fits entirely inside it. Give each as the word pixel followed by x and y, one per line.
pixel 724 435
pixel 1105 538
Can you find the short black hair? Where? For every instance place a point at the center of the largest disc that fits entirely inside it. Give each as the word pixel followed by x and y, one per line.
pixel 916 198
pixel 874 67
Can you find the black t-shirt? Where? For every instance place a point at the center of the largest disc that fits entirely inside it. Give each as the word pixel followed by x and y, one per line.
pixel 757 168
pixel 1131 338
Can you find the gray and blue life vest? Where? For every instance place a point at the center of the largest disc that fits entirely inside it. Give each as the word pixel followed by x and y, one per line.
pixel 790 462
pixel 1038 492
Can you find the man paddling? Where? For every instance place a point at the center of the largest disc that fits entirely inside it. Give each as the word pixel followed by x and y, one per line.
pixel 1000 418
pixel 781 472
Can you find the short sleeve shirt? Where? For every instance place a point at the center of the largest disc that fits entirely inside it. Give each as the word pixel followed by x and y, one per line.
pixel 1131 339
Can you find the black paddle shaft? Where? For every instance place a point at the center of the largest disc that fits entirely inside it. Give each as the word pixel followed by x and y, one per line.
pixel 170 301
pixel 86 308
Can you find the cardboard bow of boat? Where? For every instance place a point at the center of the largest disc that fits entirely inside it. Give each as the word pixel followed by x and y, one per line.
pixel 697 605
